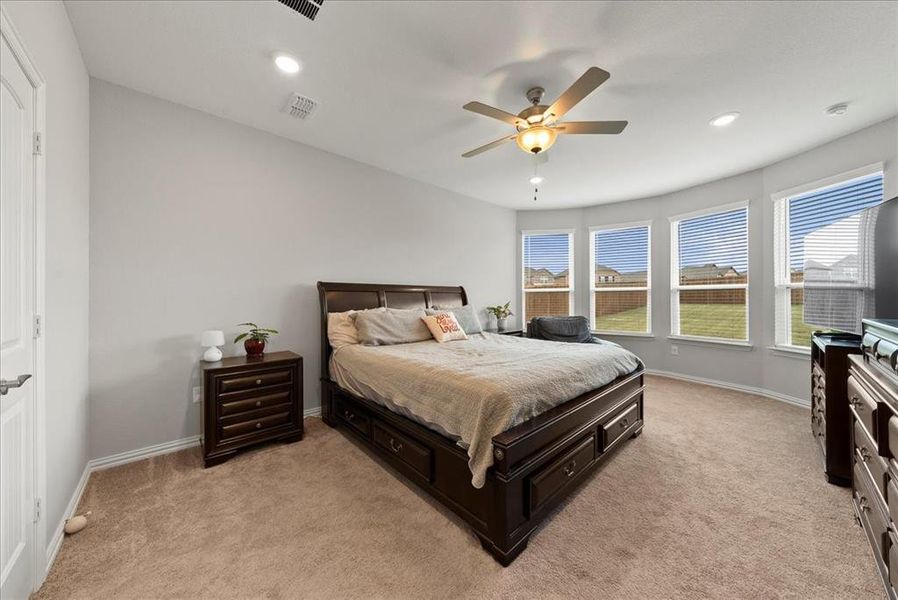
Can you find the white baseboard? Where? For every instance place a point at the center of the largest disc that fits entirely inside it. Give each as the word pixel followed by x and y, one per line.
pixel 734 386
pixel 123 458
pixel 56 541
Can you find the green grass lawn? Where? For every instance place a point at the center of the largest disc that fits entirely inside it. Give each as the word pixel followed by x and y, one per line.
pixel 706 320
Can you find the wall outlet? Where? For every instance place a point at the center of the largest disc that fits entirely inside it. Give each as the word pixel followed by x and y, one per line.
pixel 675 350
pixel 197 394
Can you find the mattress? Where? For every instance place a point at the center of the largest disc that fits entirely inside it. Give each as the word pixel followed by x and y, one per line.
pixel 472 390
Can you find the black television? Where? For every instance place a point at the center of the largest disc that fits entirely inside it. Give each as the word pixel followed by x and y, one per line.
pixel 851 269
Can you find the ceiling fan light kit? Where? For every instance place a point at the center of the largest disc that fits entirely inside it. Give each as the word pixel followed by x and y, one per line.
pixel 537 126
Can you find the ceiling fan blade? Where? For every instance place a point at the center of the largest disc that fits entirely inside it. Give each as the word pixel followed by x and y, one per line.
pixel 488 111
pixel 593 78
pixel 612 127
pixel 489 146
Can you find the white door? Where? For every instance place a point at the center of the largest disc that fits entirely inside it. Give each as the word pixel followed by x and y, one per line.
pixel 16 315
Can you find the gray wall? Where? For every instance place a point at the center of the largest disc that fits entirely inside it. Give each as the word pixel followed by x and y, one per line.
pixel 199 223
pixel 757 367
pixel 48 35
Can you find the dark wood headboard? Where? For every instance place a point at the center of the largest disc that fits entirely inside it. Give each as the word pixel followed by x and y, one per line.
pixel 339 297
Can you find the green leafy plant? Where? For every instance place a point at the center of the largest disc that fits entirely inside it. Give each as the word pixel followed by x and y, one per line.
pixel 500 311
pixel 255 333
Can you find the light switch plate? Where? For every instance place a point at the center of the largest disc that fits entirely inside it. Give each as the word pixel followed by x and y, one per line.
pixel 675 350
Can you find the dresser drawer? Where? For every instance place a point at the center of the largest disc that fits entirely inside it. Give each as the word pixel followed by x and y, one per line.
pixel 865 453
pixel 558 474
pixel 410 452
pixel 893 560
pixel 871 510
pixel 253 401
pixel 892 496
pixel 254 380
pixel 863 406
pixel 617 427
pixel 891 448
pixel 258 425
pixel 353 417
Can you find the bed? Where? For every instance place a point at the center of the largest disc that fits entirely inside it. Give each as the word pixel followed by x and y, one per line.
pixel 510 482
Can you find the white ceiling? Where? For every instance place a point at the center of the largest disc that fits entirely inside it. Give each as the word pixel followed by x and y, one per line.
pixel 391 78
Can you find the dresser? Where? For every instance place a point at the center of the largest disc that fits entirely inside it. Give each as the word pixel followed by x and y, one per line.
pixel 247 401
pixel 830 421
pixel 873 399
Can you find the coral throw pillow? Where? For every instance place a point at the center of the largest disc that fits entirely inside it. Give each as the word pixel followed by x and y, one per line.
pixel 444 327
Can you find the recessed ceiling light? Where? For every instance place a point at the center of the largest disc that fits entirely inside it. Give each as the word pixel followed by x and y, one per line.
pixel 724 119
pixel 536 180
pixel 287 63
pixel 837 110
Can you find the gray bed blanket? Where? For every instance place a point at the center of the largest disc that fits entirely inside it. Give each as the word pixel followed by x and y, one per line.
pixel 477 388
pixel 561 329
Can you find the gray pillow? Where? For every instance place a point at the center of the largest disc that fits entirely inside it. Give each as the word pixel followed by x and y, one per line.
pixel 392 326
pixel 465 316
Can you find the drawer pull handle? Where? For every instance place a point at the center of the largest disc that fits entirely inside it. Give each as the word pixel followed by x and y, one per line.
pixel 349 415
pixel 854 401
pixel 624 423
pixel 258 382
pixel 395 446
pixel 258 426
pixel 258 403
pixel 569 469
pixel 857 520
pixel 865 454
pixel 862 504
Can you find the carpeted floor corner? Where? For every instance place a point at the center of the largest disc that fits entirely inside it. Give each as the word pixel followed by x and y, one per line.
pixel 721 497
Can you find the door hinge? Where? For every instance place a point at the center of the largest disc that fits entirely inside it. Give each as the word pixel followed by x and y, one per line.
pixel 38 143
pixel 37 329
pixel 37 510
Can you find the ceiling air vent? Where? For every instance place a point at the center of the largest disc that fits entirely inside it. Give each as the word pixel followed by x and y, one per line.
pixel 300 106
pixel 307 8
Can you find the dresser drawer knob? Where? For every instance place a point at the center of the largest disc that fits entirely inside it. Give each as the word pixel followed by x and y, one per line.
pixel 348 415
pixel 862 504
pixel 258 382
pixel 258 426
pixel 395 446
pixel 865 454
pixel 258 403
pixel 624 423
pixel 569 469
pixel 854 401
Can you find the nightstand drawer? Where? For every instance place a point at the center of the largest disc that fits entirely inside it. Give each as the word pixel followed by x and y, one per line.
pixel 252 401
pixel 254 380
pixel 255 425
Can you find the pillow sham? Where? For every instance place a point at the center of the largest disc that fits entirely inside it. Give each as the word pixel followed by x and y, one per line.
pixel 465 315
pixel 392 326
pixel 341 329
pixel 444 327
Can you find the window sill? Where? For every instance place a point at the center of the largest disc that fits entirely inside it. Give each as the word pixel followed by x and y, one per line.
pixel 623 334
pixel 700 341
pixel 791 351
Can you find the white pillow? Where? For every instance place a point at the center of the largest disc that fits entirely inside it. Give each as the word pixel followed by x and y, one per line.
pixel 444 327
pixel 341 329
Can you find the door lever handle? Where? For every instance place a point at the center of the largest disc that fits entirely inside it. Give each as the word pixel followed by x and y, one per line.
pixel 6 385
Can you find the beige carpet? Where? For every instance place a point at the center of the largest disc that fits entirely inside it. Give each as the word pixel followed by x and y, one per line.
pixel 721 497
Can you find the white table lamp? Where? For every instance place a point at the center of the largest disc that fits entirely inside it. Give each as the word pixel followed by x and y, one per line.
pixel 212 339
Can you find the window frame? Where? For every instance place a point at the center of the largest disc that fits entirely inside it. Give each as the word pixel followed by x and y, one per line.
pixel 675 286
pixel 782 280
pixel 647 288
pixel 571 233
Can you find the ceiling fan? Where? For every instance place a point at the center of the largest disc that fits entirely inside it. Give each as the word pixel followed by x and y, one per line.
pixel 537 125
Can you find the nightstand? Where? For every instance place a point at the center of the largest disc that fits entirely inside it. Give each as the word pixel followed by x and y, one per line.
pixel 247 401
pixel 511 332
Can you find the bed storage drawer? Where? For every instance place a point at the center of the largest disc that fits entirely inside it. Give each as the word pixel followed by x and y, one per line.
pixel 353 417
pixel 254 380
pixel 558 474
pixel 863 406
pixel 618 425
pixel 410 452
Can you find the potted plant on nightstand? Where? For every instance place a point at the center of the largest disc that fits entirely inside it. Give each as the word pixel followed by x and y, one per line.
pixel 255 339
pixel 501 312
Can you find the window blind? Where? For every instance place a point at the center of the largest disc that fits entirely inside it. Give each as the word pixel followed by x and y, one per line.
pixel 710 285
pixel 620 280
pixel 547 278
pixel 831 252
